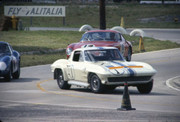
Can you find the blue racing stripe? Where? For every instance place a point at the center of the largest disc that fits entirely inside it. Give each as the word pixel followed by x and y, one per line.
pixel 129 69
pixel 110 66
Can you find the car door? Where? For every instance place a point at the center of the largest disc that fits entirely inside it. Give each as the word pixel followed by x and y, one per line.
pixel 70 71
pixel 78 68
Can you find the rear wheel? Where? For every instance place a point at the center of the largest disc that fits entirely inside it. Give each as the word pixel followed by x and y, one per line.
pixel 60 80
pixel 145 88
pixel 95 84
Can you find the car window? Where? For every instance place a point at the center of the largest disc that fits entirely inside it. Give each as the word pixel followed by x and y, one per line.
pixel 78 56
pixel 101 36
pixel 84 37
pixel 119 37
pixel 103 55
pixel 81 57
pixel 4 48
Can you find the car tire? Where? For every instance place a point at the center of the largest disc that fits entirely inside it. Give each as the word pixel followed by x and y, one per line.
pixel 8 76
pixel 60 80
pixel 95 84
pixel 128 58
pixel 145 88
pixel 17 73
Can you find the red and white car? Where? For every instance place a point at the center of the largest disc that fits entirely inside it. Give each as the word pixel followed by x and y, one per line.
pixel 103 38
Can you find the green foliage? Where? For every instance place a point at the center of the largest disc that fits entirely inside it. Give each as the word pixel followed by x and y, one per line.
pixel 25 41
pixel 32 60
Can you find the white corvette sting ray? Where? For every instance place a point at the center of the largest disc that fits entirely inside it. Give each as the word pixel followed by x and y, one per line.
pixel 102 68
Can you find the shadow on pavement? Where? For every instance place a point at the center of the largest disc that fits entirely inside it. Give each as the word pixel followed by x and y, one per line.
pixel 119 91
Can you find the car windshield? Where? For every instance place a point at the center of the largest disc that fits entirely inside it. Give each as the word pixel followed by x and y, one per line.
pixel 103 55
pixel 99 36
pixel 4 48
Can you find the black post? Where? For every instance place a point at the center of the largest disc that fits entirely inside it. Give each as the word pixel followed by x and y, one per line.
pixel 64 21
pixel 31 21
pixel 102 14
pixel 163 2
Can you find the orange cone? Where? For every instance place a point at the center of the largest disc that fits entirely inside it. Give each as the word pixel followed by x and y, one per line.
pixel 126 102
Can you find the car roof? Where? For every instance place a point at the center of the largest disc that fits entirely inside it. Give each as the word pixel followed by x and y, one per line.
pixel 103 31
pixel 4 42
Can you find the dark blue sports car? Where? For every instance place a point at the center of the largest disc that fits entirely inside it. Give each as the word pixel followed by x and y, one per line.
pixel 9 62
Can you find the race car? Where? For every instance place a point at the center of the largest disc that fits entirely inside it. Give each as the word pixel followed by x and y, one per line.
pixel 9 62
pixel 101 69
pixel 103 38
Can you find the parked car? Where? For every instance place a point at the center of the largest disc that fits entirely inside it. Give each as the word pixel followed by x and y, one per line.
pixel 101 69
pixel 103 38
pixel 9 62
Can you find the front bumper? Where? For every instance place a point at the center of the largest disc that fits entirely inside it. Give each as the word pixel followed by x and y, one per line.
pixel 3 73
pixel 131 80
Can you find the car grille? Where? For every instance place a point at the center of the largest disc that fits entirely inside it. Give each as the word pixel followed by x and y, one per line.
pixel 132 78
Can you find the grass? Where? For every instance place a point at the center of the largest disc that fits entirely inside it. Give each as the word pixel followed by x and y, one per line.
pixel 151 44
pixel 25 41
pixel 40 59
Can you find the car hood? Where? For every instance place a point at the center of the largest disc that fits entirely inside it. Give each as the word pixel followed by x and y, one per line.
pixel 124 68
pixel 96 43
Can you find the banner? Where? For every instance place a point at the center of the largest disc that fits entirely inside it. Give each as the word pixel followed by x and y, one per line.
pixel 35 11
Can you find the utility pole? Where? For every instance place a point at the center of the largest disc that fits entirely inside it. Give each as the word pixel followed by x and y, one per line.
pixel 102 14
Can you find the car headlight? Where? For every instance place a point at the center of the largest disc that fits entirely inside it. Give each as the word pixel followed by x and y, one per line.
pixel 3 66
pixel 68 51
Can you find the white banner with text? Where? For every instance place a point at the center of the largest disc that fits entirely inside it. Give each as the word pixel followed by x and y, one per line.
pixel 35 11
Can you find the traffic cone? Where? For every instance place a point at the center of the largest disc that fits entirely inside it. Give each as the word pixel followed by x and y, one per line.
pixel 126 102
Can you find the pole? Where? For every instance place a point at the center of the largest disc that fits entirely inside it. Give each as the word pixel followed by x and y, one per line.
pixel 31 21
pixel 102 14
pixel 64 21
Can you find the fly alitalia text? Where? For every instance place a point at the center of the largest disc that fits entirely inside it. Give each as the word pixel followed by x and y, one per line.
pixel 35 10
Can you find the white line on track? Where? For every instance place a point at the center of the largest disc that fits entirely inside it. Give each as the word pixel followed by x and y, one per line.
pixel 169 85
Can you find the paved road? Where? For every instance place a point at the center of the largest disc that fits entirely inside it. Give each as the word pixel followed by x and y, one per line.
pixel 36 96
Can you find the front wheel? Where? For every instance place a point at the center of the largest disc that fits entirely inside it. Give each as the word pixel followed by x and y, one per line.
pixel 8 76
pixel 17 73
pixel 95 84
pixel 60 80
pixel 145 88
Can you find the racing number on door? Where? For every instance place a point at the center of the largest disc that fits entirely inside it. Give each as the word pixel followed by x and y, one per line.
pixel 70 71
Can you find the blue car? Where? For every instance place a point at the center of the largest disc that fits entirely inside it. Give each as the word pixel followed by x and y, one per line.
pixel 9 62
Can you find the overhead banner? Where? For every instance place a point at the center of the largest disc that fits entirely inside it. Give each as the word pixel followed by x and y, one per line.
pixel 34 11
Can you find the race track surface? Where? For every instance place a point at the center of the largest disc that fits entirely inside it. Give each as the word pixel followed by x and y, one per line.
pixel 37 97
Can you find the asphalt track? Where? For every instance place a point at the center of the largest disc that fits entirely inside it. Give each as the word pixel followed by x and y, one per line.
pixel 36 96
